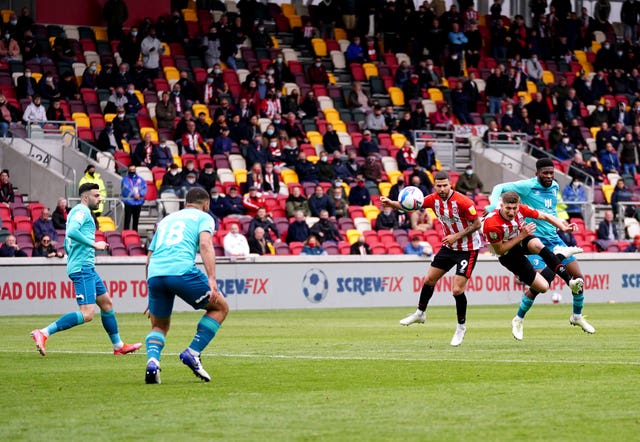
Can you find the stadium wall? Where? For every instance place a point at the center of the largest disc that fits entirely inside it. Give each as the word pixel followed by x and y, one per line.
pixel 89 12
pixel 40 285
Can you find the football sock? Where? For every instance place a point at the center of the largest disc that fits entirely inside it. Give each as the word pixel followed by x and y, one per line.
pixel 154 343
pixel 555 264
pixel 205 332
pixel 525 305
pixel 461 307
pixel 425 295
pixel 110 325
pixel 63 323
pixel 578 303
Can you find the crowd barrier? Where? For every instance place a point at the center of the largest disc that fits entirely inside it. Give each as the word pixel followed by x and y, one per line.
pixel 41 286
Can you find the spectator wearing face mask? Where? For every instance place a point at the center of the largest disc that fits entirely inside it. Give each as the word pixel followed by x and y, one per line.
pixel 116 100
pixel 108 141
pixel 317 73
pixel 48 87
pixel 574 192
pixel 565 150
pixel 91 176
pixel 133 103
pixel 27 86
pixel 359 194
pixel 172 180
pixel 469 183
pixel 151 49
pixel 326 172
pixel 122 127
pixel 35 112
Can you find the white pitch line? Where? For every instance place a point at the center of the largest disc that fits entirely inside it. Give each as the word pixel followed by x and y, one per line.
pixel 355 358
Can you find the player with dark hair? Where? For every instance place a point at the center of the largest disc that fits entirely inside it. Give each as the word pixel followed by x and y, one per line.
pixel 171 272
pixel 81 246
pixel 511 238
pixel 541 193
pixel 460 245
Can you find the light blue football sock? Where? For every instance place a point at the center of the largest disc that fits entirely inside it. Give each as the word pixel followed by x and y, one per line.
pixel 525 305
pixel 65 322
pixel 206 331
pixel 154 343
pixel 578 303
pixel 110 325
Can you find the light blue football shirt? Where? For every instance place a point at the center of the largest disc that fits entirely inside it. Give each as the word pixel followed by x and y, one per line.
pixel 80 236
pixel 534 195
pixel 176 242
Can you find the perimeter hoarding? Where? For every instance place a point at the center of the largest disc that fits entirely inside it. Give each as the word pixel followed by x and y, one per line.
pixel 40 285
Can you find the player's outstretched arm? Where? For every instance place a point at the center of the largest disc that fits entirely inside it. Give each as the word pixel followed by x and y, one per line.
pixel 558 223
pixel 386 202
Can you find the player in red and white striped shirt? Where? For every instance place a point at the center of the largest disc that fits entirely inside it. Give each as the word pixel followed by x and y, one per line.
pixel 462 240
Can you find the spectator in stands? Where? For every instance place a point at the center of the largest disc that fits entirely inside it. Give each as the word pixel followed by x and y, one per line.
pixel 6 188
pixel 609 159
pixel 253 201
pixel 108 141
pixel 91 176
pixel 133 105
pixel 403 74
pixel 190 181
pixel 340 202
pixel 442 119
pixel 63 51
pixel 208 178
pixel 176 29
pixel 326 172
pixel 165 156
pixel 44 226
pixel 55 112
pixel 116 101
pixel 359 194
pixel 105 78
pixel 312 246
pixel 469 183
pixel 307 171
pixel 222 144
pixel 386 220
pixel 59 215
pixel 406 157
pixel 145 153
pixel 9 48
pixel 420 220
pixel 188 88
pixel 189 167
pixel 473 45
pixel 574 192
pixel 460 104
pixel 260 39
pixel 411 88
pixel 165 112
pixel 122 127
pixel 325 229
pixel 419 118
pixel 26 86
pixel 358 98
pixel 415 247
pixel 218 203
pixel 296 202
pixel 129 47
pixel 192 142
pixel 8 114
pixel 264 220
pixel 375 121
pixel 360 247
pixel 46 249
pixel 11 249
pixel 564 149
pixel 373 171
pixel 629 152
pixel 151 49
pixel 123 76
pixel 30 49
pixel 48 87
pixel 115 13
pixel 634 246
pixel 319 201
pixel 354 52
pixel 539 110
pixel 211 44
pixel 257 153
pixel 132 190
pixel 418 180
pixel 260 245
pixel 235 243
pixel 317 73
pixel 331 141
pixel 35 112
pixel 621 193
pixel 499 40
pixel 298 229
pixel 270 106
pixel 607 230
pixel 496 89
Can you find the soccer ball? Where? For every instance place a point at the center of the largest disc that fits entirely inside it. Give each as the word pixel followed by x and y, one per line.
pixel 410 199
pixel 556 297
pixel 315 286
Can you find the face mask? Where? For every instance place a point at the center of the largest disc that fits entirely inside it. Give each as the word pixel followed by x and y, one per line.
pixel 176 92
pixel 14 22
pixel 565 140
pixel 268 170
pixel 469 172
pixel 49 80
pixel 318 64
pixel 273 144
pixel 118 94
pixel 430 67
pixel 217 71
pixel 269 132
pixel 509 112
pixel 600 108
pixel 91 174
pixel 568 108
pixel 607 46
pixel 191 181
pixel 131 91
pixel 279 60
pixel 109 130
pixel 619 53
pixel 277 121
pixel 454 57
pixel 209 80
pixel 27 74
pixel 534 59
pixel 324 159
pixel 7 36
pixel 121 116
pixel 93 68
pixel 132 174
pixel 173 172
pixel 134 33
pixel 261 29
pixel 262 80
pixel 270 72
pixel 360 184
pixel 587 84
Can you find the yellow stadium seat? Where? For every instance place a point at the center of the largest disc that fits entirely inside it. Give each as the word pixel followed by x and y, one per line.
pixel 171 73
pixel 547 77
pixel 313 158
pixel 125 146
pixel 140 96
pixel 339 126
pixel 189 15
pixel 150 130
pixel 6 14
pixel 526 95
pixel 370 70
pixel 51 40
pixel 398 139
pixel 384 188
pixel 435 94
pixel 108 118
pixel 240 176
pixel 276 43
pixel 314 137
pixel 445 82
pixel 319 47
pixel 177 160
pixel 198 108
pixel 289 176
pixel 100 33
pixel 340 34
pixel 371 212
pixel 295 21
pixel 588 67
pixel 67 129
pixel 581 56
pixel 393 176
pixel 594 131
pixel 352 235
pixel 607 190
pixel 36 76
pixel 595 46
pixel 397 96
pixel 332 78
pixel 81 119
pixel 531 86
pixel 331 115
pixel 166 50
pixel 288 9
pixel 106 224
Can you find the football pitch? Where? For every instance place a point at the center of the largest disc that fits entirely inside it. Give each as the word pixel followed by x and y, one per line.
pixel 333 375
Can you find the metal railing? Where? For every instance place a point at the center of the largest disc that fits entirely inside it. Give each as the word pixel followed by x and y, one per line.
pixel 51 128
pixel 446 145
pixel 113 208
pixel 104 159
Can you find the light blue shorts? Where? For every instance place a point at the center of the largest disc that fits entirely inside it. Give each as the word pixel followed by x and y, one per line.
pixel 192 287
pixel 88 285
pixel 550 243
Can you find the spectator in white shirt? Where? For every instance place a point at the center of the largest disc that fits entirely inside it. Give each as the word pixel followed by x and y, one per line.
pixel 235 243
pixel 35 111
pixel 151 49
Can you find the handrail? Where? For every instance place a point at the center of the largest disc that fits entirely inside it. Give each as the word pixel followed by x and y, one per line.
pixel 92 151
pixel 447 157
pixel 113 207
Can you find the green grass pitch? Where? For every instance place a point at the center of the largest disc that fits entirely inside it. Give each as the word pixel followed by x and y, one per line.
pixel 333 375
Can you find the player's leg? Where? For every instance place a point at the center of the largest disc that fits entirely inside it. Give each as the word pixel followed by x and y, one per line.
pixel 553 261
pixel 84 286
pixel 160 308
pixel 426 292
pixel 578 300
pixel 108 318
pixel 466 262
